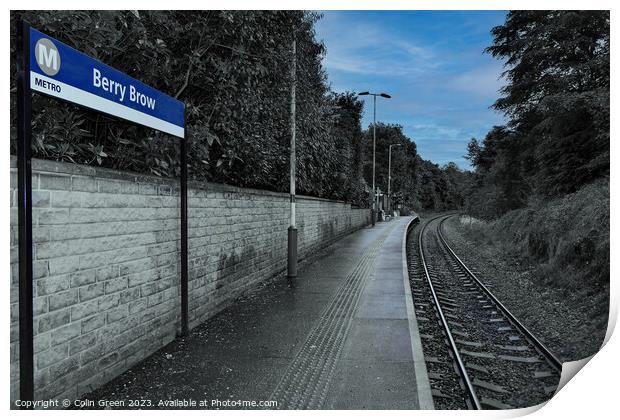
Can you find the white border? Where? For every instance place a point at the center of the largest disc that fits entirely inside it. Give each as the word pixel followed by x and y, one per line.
pixel 592 394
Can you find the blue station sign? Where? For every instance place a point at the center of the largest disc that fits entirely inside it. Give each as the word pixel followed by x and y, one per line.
pixel 65 73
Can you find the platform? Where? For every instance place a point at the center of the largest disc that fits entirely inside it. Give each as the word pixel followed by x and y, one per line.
pixel 343 337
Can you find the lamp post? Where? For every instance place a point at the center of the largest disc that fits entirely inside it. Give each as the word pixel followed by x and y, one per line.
pixel 292 230
pixel 390 176
pixel 374 143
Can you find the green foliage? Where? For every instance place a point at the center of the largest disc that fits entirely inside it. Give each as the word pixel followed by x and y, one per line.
pixel 348 137
pixel 232 69
pixel 557 102
pixel 566 240
pixel 499 185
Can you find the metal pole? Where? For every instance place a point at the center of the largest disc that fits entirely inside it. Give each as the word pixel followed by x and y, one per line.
pixel 184 255
pixel 374 136
pixel 292 230
pixel 24 214
pixel 389 197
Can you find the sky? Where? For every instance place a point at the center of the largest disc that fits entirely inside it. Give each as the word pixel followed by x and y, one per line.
pixel 433 65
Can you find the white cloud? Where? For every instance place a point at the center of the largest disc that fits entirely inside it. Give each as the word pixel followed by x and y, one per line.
pixel 358 47
pixel 438 131
pixel 483 82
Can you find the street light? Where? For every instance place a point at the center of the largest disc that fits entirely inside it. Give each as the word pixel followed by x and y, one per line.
pixel 374 142
pixel 292 230
pixel 390 175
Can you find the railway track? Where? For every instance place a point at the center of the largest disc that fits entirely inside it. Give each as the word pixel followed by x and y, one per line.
pixel 478 355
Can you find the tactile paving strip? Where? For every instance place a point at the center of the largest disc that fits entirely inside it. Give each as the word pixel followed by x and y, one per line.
pixel 306 381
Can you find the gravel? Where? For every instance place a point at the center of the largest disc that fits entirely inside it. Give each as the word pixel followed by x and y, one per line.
pixel 559 318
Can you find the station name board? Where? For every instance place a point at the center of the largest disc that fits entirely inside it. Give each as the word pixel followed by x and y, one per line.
pixel 65 73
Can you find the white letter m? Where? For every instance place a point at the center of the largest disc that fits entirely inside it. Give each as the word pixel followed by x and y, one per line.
pixel 50 58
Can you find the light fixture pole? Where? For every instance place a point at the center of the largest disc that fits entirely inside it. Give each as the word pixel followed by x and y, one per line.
pixel 390 175
pixel 374 145
pixel 292 230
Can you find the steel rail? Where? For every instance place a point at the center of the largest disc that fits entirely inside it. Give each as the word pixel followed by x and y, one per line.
pixel 457 356
pixel 540 347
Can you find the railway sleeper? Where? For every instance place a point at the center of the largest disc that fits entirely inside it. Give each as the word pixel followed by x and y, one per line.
pixel 435 375
pixel 514 348
pixel 477 367
pixel 450 304
pixel 436 393
pixel 478 354
pixel 490 386
pixel 468 343
pixel 518 359
pixel 539 374
pixel 493 403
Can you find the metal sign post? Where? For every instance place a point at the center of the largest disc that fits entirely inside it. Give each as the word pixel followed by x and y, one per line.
pixel 184 256
pixel 24 214
pixel 48 66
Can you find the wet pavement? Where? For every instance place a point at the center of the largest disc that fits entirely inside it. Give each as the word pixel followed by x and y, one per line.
pixel 340 338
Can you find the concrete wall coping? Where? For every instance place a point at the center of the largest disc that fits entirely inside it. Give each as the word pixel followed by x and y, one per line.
pixel 50 166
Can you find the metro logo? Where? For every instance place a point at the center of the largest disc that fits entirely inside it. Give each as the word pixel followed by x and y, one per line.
pixel 47 56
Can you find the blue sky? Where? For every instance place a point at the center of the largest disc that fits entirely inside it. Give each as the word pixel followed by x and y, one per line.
pixel 432 64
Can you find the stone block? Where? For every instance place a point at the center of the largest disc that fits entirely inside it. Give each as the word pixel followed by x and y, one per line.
pixel 91 291
pixel 51 356
pixel 66 333
pixel 40 198
pixel 93 322
pixel 53 320
pixel 82 310
pixel 63 299
pixel 55 182
pixel 82 342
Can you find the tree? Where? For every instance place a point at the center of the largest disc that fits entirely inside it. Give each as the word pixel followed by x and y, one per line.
pixel 557 96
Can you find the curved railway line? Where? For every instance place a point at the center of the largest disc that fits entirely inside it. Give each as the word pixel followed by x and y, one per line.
pixel 478 355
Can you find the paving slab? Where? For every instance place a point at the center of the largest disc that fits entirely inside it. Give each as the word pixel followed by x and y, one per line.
pixel 373 385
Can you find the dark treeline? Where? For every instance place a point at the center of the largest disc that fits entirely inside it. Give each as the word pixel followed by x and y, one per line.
pixel 557 103
pixel 232 69
pixel 542 180
pixel 416 183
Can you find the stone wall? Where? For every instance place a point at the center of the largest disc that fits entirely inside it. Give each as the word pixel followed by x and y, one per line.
pixel 107 264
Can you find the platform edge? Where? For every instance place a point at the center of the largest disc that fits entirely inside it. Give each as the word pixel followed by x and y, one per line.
pixel 423 386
